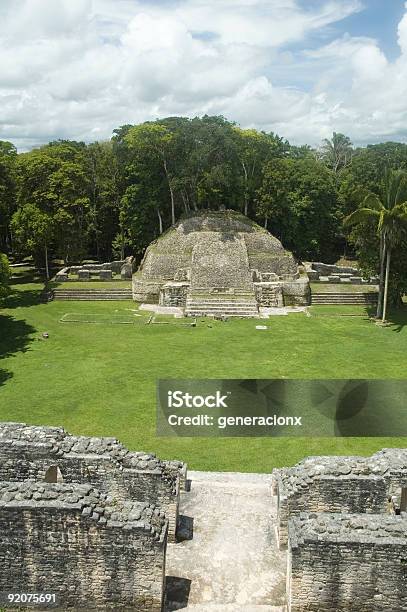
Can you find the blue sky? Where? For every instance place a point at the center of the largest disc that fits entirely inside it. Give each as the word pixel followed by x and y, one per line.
pixel 378 19
pixel 301 68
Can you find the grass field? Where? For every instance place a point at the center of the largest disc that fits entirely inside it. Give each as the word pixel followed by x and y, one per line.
pixel 100 379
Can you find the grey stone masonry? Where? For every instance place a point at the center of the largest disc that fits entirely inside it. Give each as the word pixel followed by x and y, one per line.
pixel 105 275
pixel 83 275
pixel 340 484
pixel 222 252
pixel 347 563
pixel 90 549
pixel 331 273
pixel 31 452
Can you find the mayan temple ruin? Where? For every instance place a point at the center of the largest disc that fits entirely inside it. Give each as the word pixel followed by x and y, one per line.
pixel 219 263
pixel 99 525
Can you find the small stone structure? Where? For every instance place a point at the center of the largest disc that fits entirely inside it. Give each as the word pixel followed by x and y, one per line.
pixel 340 484
pixel 103 271
pixel 219 263
pixel 345 523
pixel 330 273
pixel 41 453
pixel 345 562
pixel 90 550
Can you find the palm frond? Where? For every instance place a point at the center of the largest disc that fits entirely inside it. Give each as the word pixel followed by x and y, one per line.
pixel 372 201
pixel 361 215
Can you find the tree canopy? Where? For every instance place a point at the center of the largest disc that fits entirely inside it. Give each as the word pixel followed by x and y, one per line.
pixel 70 200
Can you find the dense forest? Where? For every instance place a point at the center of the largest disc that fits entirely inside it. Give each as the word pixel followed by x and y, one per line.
pixel 69 200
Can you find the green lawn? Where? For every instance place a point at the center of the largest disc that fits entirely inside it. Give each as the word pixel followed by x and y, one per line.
pixel 100 379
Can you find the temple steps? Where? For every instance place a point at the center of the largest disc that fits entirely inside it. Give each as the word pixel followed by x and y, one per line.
pixel 229 306
pixel 359 298
pixel 93 294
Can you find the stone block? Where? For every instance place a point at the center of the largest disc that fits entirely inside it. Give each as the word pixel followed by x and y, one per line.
pixel 61 277
pixel 356 280
pixel 83 275
pixel 105 275
pixel 313 275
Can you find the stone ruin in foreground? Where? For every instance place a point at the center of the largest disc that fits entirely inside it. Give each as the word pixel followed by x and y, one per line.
pixel 89 520
pixel 85 518
pixel 219 263
pixel 344 522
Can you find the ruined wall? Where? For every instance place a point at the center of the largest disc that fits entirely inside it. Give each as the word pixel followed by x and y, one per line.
pixel 346 563
pixel 89 550
pixel 27 452
pixel 353 494
pixel 330 484
pixel 220 262
pixel 296 292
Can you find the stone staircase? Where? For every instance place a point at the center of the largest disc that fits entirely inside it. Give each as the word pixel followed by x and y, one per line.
pixel 93 294
pixel 357 298
pixel 238 304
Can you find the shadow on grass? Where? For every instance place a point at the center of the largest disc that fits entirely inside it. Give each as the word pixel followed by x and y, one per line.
pixel 28 297
pixel 14 338
pixel 398 319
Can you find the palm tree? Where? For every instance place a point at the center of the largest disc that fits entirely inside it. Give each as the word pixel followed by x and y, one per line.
pixel 337 152
pixel 390 212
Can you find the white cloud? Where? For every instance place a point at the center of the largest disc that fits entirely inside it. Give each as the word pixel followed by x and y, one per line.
pixel 80 68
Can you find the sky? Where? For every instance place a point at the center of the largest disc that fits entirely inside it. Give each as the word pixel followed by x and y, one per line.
pixel 79 69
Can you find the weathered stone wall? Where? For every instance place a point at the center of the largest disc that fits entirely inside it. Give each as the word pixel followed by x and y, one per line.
pixel 220 262
pixel 29 451
pixel 346 563
pixel 338 484
pixel 174 294
pixel 296 292
pixel 87 548
pixel 269 295
pixel 353 494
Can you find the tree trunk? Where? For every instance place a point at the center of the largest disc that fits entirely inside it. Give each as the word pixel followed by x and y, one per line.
pixel 246 198
pixel 160 221
pixel 171 193
pixel 265 221
pixel 381 281
pixel 46 263
pixel 386 284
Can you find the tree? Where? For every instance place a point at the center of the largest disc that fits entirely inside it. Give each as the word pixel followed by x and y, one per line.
pixel 389 212
pixel 337 153
pixel 54 180
pixel 33 231
pixel 298 200
pixel 8 157
pixel 4 275
pixel 253 149
pixel 152 143
pixel 102 169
